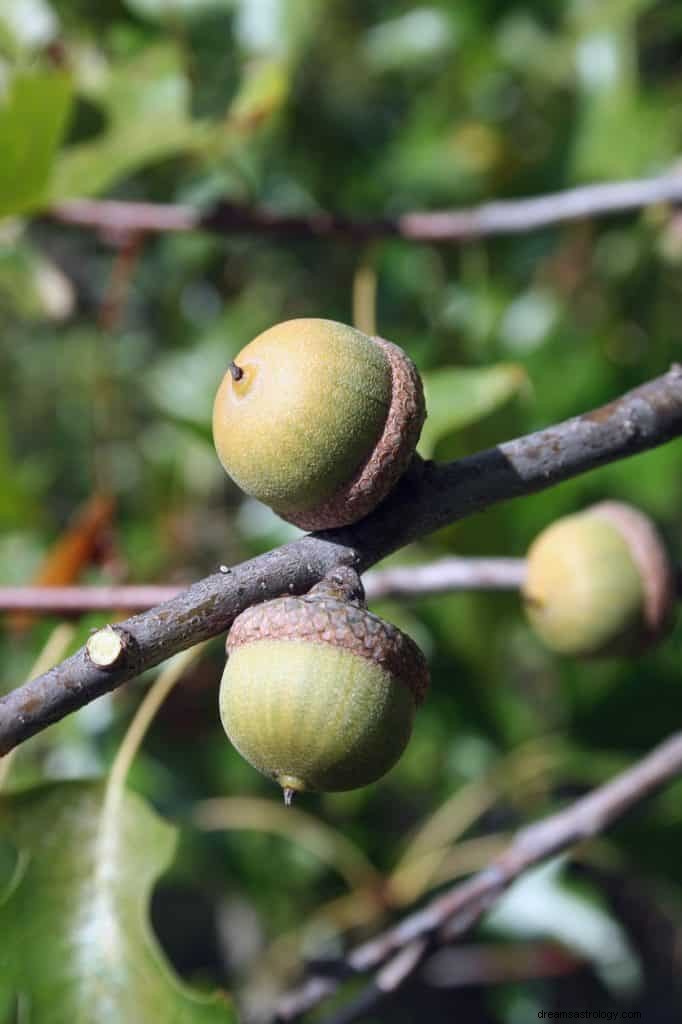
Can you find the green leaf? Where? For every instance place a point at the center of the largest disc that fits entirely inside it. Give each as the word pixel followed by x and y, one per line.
pixel 146 102
pixel 264 89
pixel 33 118
pixel 76 946
pixel 166 10
pixel 457 396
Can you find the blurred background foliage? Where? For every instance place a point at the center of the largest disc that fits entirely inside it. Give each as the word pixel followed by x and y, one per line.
pixel 110 355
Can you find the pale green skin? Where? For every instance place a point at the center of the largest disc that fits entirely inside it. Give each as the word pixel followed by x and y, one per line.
pixel 583 592
pixel 305 416
pixel 314 716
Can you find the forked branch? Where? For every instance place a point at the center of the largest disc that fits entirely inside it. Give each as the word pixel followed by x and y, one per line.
pixel 457 910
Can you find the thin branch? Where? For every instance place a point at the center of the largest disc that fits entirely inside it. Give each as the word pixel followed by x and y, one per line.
pixel 390 978
pixel 439 577
pixel 115 218
pixel 427 497
pixel 457 910
pixel 47 600
pixel 443 576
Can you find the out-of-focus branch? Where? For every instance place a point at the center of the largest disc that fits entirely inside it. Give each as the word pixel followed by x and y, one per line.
pixel 77 600
pixel 428 496
pixel 444 576
pixel 115 218
pixel 458 909
pixel 439 577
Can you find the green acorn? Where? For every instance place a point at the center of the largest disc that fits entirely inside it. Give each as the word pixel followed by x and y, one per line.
pixel 318 693
pixel 599 583
pixel 318 421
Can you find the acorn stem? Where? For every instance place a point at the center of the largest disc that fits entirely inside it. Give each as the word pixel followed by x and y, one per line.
pixel 236 371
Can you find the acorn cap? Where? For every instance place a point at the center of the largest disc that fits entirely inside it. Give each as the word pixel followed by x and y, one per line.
pixel 651 558
pixel 390 457
pixel 318 693
pixel 333 612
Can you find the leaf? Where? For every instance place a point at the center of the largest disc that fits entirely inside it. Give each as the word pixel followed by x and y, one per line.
pixel 262 93
pixel 146 101
pixel 76 946
pixel 165 10
pixel 33 119
pixel 457 396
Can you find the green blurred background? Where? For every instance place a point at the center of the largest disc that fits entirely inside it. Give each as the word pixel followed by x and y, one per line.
pixel 111 351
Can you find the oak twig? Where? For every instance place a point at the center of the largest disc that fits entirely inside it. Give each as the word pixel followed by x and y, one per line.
pixel 428 496
pixel 116 218
pixel 459 908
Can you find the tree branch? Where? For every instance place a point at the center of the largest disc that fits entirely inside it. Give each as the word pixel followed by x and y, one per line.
pixel 116 219
pixel 457 910
pixel 428 496
pixel 439 577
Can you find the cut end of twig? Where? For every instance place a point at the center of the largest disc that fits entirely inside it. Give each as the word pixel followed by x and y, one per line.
pixel 288 794
pixel 105 647
pixel 236 371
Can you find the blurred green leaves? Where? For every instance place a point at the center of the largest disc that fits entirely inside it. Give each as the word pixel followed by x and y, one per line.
pixel 458 396
pixel 145 101
pixel 368 110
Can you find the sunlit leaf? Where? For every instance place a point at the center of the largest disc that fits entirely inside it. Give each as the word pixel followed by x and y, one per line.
pixel 457 396
pixel 146 102
pixel 33 117
pixel 262 92
pixel 76 940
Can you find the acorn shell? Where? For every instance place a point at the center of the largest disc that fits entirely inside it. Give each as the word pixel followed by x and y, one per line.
pixel 321 423
pixel 598 583
pixel 320 694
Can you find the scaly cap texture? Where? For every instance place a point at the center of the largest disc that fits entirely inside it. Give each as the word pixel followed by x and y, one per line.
pixel 325 615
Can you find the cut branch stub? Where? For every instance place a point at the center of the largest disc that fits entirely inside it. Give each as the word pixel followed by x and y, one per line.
pixel 108 646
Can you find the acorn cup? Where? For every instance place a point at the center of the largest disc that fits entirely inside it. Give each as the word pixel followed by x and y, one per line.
pixel 318 693
pixel 599 583
pixel 318 421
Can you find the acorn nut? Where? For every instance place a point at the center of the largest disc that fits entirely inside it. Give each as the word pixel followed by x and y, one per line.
pixel 599 583
pixel 318 421
pixel 318 693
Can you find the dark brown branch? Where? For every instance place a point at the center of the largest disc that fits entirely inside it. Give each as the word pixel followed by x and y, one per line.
pixel 457 910
pixel 115 218
pixel 428 496
pixel 439 577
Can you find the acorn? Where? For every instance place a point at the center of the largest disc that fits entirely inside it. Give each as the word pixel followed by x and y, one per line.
pixel 318 693
pixel 318 421
pixel 599 583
